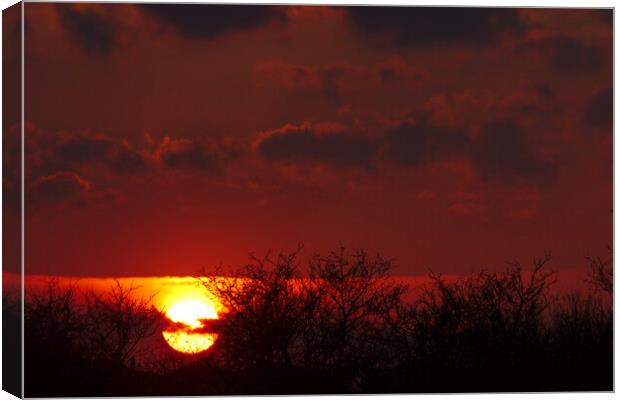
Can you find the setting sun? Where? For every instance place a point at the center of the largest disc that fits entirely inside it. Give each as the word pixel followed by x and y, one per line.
pixel 190 314
pixel 189 343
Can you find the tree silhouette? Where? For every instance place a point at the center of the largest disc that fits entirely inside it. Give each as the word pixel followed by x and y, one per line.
pixel 480 326
pixel 53 337
pixel 267 308
pixel 601 274
pixel 345 326
pixel 356 293
pixel 79 344
pixel 331 321
pixel 52 319
pixel 117 321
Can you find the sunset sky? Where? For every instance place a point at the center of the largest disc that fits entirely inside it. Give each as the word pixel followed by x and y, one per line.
pixel 162 139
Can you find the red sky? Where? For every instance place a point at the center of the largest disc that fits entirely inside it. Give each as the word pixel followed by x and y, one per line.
pixel 164 139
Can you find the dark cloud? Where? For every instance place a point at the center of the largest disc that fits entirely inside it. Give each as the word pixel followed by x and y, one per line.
pixel 93 32
pixel 209 21
pixel 410 26
pixel 127 161
pixel 600 112
pixel 191 155
pixel 572 56
pixel 117 156
pixel 57 187
pixel 419 143
pixel 567 55
pixel 48 153
pixel 84 149
pixel 502 155
pixel 314 144
pixel 63 166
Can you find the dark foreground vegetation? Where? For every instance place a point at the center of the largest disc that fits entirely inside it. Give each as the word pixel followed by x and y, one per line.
pixel 350 328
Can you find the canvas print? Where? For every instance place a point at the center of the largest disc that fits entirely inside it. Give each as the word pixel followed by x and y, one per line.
pixel 210 199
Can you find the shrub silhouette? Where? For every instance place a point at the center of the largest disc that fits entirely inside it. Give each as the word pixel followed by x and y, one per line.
pixel 339 324
pixel 330 321
pixel 117 321
pixel 355 294
pixel 78 343
pixel 600 273
pixel 477 330
pixel 268 308
pixel 582 332
pixel 52 335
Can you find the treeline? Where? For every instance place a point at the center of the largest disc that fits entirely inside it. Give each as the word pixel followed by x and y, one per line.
pixel 348 327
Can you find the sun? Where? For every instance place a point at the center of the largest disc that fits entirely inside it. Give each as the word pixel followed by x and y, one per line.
pixel 189 316
pixel 189 343
pixel 191 312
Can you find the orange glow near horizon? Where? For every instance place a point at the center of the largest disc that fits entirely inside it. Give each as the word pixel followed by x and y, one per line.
pixel 185 302
pixel 182 299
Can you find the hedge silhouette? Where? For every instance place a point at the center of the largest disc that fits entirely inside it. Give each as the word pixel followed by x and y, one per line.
pixel 346 326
